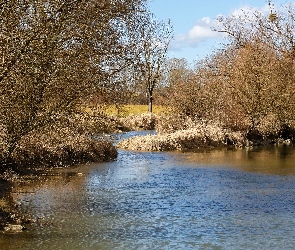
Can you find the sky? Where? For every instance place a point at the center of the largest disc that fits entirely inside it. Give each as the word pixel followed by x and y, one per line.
pixel 192 21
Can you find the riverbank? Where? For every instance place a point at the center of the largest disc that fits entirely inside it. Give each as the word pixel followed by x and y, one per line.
pixel 36 162
pixel 163 200
pixel 182 134
pixel 61 146
pixel 199 136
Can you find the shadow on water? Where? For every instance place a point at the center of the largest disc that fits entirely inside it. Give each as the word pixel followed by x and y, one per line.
pixel 207 199
pixel 6 202
pixel 269 160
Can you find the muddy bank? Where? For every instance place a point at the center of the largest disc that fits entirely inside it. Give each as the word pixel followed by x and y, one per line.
pixel 5 210
pixel 35 157
pixel 11 220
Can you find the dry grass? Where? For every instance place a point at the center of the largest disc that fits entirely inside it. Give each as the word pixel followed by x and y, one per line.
pixel 126 110
pixel 145 121
pixel 201 135
pixel 59 147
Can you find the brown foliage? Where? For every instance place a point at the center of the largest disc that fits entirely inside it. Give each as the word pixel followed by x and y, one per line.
pixel 59 147
pixel 247 86
pixel 55 54
pixel 145 121
pixel 201 135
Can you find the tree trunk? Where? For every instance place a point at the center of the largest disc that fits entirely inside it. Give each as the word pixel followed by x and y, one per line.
pixel 150 101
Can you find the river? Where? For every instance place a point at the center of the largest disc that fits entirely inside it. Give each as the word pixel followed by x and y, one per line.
pixel 206 199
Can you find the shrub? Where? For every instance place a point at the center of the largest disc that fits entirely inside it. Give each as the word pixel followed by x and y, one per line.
pixel 58 147
pixel 201 135
pixel 145 121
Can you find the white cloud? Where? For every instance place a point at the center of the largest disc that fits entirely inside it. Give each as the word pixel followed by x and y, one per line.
pixel 202 31
pixel 249 12
pixel 199 33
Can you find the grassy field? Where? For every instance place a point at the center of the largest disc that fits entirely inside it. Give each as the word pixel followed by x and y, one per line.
pixel 126 110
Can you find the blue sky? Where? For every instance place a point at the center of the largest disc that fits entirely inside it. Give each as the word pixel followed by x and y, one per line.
pixel 192 21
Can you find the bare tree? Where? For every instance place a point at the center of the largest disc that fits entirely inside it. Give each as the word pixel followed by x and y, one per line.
pixel 153 41
pixel 249 84
pixel 259 68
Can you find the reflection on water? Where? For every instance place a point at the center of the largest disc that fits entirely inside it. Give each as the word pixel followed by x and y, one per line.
pixel 209 199
pixel 272 160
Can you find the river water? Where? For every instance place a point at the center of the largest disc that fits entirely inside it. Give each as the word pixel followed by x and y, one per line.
pixel 207 199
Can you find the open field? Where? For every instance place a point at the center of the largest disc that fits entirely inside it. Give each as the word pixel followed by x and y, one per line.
pixel 126 110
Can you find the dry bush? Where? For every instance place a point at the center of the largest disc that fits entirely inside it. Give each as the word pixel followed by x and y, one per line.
pixel 94 123
pixel 3 143
pixel 248 86
pixel 55 54
pixel 66 141
pixel 60 146
pixel 145 121
pixel 258 67
pixel 248 89
pixel 172 123
pixel 201 135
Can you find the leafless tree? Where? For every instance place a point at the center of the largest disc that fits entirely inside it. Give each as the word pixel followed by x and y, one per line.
pixel 154 37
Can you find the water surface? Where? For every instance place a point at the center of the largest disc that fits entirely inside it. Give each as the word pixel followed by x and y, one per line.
pixel 207 199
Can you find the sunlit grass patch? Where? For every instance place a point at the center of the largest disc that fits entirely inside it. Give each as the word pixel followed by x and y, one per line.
pixel 126 110
pixel 128 117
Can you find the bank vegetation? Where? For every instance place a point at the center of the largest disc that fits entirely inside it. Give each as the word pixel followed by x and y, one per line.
pixel 56 58
pixel 245 89
pixel 63 63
